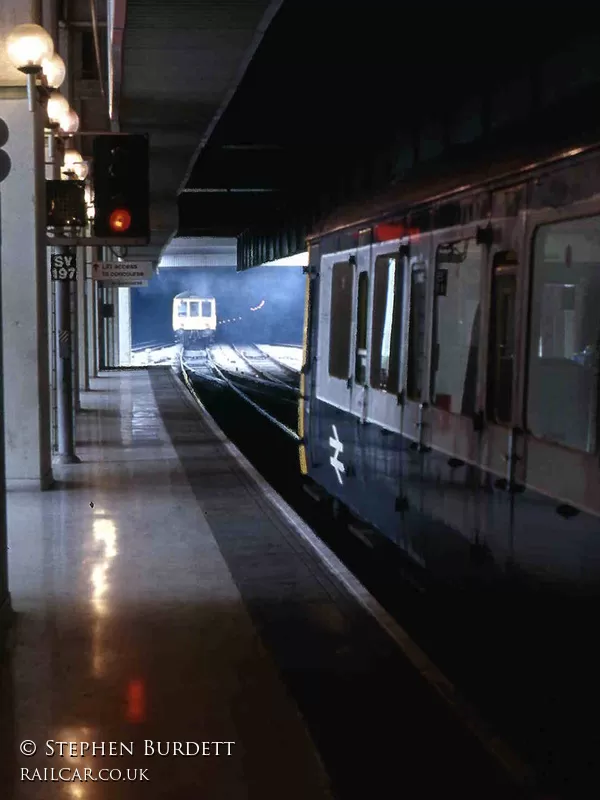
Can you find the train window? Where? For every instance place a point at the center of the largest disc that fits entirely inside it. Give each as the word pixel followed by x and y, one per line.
pixel 194 309
pixel 360 365
pixel 182 309
pixel 564 340
pixel 206 308
pixel 456 320
pixel 385 336
pixel 416 333
pixel 502 338
pixel 342 276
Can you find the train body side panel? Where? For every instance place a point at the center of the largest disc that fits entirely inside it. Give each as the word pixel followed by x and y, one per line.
pixel 480 490
pixel 451 521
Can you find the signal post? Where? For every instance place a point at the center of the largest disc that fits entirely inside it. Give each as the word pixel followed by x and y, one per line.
pixel 121 218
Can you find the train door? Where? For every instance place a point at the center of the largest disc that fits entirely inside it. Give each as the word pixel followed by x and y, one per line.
pixel 560 387
pixel 359 381
pixel 415 338
pixel 335 345
pixel 456 332
pixel 388 272
pixel 501 441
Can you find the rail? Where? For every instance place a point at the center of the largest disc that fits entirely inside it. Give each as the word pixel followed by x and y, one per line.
pixel 277 361
pixel 254 405
pixel 154 344
pixel 265 375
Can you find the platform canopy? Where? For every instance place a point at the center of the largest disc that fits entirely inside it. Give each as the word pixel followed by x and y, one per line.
pixel 210 251
pixel 199 251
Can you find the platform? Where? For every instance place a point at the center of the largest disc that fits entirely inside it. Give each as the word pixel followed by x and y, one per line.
pixel 161 596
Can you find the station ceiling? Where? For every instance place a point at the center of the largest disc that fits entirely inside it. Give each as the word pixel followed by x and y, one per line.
pixel 258 110
pixel 181 62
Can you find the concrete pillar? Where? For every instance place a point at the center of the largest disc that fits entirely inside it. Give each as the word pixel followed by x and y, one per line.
pixel 93 319
pixel 4 592
pixel 110 328
pixel 66 351
pixel 82 291
pixel 75 317
pixel 53 161
pixel 25 300
pixel 115 326
pixel 80 353
pixel 124 327
pixel 101 294
pixel 52 354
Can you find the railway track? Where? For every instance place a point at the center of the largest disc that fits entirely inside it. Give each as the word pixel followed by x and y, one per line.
pixel 266 367
pixel 200 365
pixel 290 371
pixel 149 346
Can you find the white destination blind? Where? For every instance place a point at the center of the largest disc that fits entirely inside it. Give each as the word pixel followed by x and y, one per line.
pixel 121 271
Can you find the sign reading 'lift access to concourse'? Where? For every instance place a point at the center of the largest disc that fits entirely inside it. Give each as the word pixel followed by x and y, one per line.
pixel 123 273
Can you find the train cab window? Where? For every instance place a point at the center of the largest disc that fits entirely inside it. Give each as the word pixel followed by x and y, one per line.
pixel 417 332
pixel 385 336
pixel 206 308
pixel 194 309
pixel 562 396
pixel 502 338
pixel 456 322
pixel 360 365
pixel 182 309
pixel 342 280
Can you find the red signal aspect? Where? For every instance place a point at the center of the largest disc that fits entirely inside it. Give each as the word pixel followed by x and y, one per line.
pixel 120 220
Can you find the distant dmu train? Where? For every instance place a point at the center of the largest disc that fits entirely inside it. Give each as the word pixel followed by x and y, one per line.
pixel 450 390
pixel 194 319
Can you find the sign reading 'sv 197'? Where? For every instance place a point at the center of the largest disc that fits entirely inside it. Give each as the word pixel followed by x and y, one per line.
pixel 63 267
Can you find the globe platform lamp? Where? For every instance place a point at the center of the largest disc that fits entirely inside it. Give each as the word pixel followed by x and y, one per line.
pixel 57 109
pixel 27 47
pixel 74 165
pixel 54 71
pixel 69 122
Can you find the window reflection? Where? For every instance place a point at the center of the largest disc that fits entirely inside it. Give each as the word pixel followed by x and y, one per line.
pixel 565 334
pixel 385 343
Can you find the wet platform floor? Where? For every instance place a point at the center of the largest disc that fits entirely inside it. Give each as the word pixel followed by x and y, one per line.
pixel 160 597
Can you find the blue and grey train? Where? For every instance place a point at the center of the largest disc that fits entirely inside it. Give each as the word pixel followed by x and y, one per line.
pixel 450 390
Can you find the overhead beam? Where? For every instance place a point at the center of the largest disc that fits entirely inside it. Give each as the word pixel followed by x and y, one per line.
pixel 251 147
pixel 226 191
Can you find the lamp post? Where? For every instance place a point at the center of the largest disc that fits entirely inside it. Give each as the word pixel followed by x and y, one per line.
pixel 31 50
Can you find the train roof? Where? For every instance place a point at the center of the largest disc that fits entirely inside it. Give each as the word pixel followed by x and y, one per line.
pixel 468 169
pixel 191 295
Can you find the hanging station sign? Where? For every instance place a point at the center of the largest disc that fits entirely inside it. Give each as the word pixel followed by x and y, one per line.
pixel 122 273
